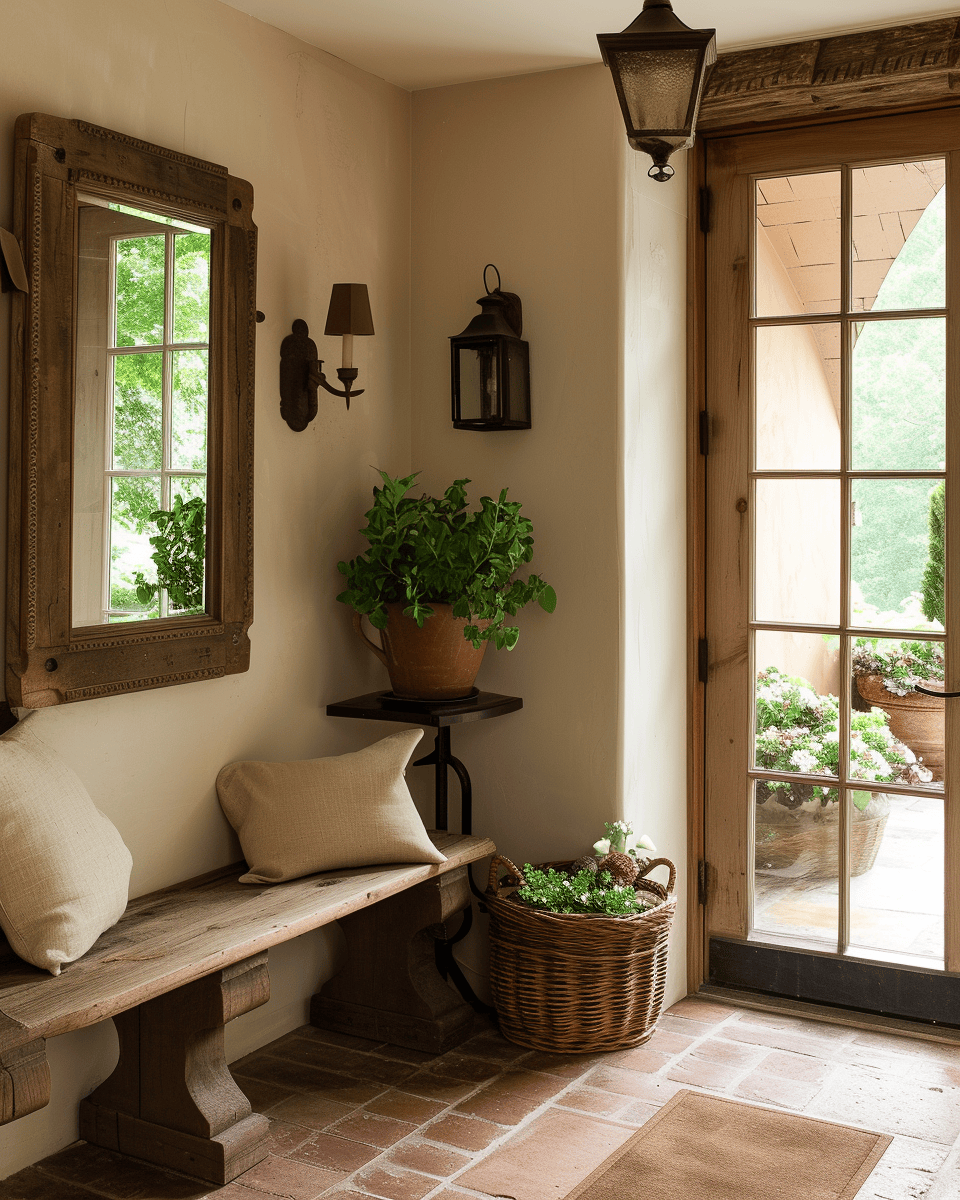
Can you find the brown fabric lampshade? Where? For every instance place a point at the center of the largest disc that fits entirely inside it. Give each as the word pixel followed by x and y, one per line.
pixel 349 311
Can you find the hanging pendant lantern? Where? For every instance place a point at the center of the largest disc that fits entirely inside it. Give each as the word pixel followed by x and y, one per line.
pixel 659 66
pixel 490 365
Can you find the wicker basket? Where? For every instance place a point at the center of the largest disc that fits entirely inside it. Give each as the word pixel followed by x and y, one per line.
pixel 578 982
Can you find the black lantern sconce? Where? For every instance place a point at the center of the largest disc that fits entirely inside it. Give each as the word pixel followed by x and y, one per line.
pixel 659 66
pixel 490 365
pixel 301 368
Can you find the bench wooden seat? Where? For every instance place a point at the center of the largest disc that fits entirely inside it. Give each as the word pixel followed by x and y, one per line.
pixel 184 961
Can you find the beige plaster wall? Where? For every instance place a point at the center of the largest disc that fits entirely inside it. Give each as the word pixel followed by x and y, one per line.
pixel 534 174
pixel 327 150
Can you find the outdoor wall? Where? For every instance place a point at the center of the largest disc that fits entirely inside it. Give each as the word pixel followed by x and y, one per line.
pixel 326 148
pixel 533 173
pixel 798 522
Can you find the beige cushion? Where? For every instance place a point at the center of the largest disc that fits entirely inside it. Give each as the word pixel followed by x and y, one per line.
pixel 295 818
pixel 64 870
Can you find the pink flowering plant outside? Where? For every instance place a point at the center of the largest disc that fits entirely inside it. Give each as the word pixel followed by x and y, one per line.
pixel 799 730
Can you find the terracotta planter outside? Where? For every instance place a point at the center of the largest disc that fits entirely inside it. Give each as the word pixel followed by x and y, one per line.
pixel 804 842
pixel 915 719
pixel 435 662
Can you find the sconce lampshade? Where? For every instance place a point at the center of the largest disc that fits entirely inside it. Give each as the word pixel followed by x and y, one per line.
pixel 349 311
pixel 490 366
pixel 659 66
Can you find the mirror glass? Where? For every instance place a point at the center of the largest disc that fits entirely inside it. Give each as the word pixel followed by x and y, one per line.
pixel 140 415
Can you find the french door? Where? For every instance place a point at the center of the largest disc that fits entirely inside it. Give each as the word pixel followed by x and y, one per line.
pixel 832 828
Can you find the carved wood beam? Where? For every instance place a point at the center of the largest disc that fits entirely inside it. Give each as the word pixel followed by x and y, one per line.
pixel 910 66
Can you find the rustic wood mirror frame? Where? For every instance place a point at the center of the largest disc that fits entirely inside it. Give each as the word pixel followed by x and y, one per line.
pixel 49 661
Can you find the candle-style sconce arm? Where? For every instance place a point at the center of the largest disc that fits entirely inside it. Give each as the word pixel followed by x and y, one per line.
pixel 346 375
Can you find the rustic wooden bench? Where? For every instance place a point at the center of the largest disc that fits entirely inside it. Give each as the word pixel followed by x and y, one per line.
pixel 184 961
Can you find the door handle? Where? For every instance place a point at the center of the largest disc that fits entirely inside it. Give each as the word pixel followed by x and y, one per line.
pixel 929 692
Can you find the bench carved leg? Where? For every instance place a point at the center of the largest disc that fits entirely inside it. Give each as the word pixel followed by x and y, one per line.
pixel 24 1080
pixel 389 988
pixel 172 1100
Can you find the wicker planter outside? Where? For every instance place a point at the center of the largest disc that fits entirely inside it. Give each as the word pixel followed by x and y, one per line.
pixel 578 982
pixel 805 841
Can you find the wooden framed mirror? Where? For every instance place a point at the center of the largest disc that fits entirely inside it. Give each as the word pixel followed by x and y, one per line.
pixel 130 552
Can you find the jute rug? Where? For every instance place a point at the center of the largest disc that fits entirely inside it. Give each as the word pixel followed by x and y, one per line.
pixel 704 1148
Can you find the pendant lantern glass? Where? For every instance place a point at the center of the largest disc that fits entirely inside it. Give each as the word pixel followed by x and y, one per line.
pixel 490 366
pixel 659 66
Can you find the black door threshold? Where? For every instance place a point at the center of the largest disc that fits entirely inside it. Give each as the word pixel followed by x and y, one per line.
pixel 903 993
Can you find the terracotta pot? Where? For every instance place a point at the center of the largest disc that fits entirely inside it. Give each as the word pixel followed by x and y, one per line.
pixel 915 719
pixel 804 842
pixel 433 663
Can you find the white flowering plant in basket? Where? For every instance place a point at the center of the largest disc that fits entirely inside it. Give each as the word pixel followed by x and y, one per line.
pixel 596 885
pixel 799 730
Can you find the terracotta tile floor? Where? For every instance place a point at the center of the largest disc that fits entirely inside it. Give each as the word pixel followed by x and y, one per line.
pixel 351 1120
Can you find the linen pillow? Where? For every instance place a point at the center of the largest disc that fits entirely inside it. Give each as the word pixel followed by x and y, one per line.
pixel 64 870
pixel 353 810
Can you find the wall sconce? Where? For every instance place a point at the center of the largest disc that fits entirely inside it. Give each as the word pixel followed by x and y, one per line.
pixel 301 366
pixel 490 365
pixel 659 66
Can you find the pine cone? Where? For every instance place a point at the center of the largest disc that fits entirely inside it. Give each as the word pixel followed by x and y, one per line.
pixel 622 867
pixel 586 863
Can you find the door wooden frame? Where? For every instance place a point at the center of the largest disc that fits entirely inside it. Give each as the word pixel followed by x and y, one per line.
pixel 880 72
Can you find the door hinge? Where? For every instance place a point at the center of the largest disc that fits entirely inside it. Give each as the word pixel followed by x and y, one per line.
pixel 704 431
pixel 703 660
pixel 705 205
pixel 702 883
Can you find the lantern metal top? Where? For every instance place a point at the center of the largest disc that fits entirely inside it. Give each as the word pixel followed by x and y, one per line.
pixel 659 66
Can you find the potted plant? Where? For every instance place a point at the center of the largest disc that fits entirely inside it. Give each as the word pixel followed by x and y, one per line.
pixel 887 673
pixel 798 823
pixel 438 583
pixel 578 950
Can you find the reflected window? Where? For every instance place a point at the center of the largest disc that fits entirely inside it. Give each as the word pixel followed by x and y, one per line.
pixel 141 416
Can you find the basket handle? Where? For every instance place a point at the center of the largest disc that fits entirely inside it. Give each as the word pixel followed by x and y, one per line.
pixel 662 862
pixel 501 860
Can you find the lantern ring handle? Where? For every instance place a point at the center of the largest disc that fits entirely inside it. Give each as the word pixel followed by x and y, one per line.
pixel 485 270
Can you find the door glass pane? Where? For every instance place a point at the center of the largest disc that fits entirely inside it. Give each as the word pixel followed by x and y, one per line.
pixel 133 501
pixel 798 396
pixel 798 245
pixel 796 888
pixel 885 674
pixel 191 287
pixel 896 553
pixel 896 868
pixel 798 551
pixel 796 825
pixel 189 417
pixel 139 288
pixel 900 395
pixel 899 236
pixel 138 412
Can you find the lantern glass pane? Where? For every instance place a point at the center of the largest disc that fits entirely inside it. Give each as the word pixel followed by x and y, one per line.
pixel 479 399
pixel 657 86
pixel 518 381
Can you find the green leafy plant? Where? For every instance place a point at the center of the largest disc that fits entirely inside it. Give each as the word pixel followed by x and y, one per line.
pixel 584 892
pixel 902 665
pixel 178 553
pixel 799 730
pixel 432 550
pixel 931 586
